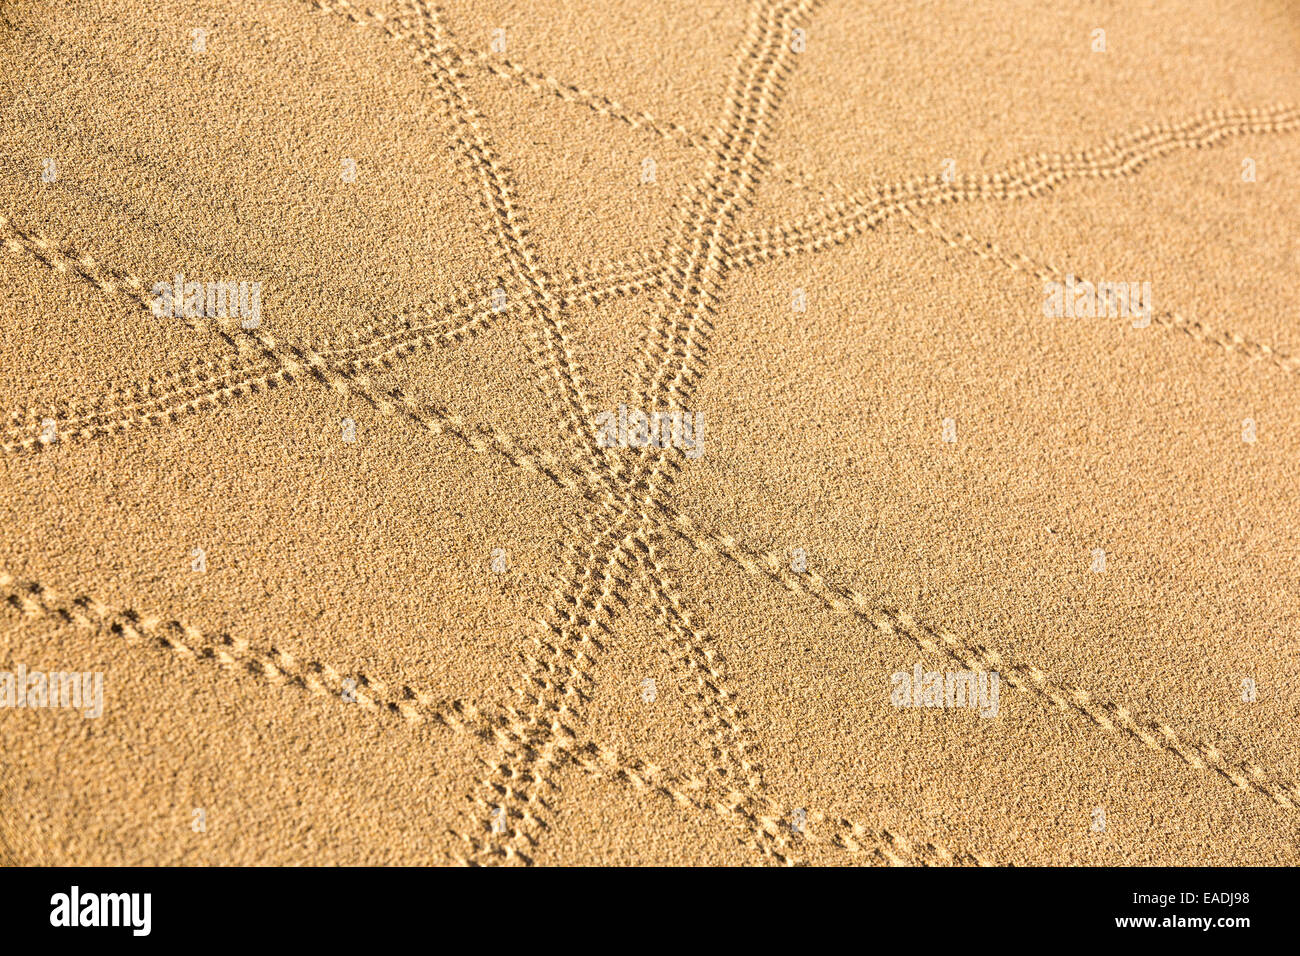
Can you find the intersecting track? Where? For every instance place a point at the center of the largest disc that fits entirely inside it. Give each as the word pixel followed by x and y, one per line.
pixel 579 610
pixel 1108 716
pixel 618 538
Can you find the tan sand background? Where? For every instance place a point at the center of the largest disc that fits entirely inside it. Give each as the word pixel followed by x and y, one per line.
pixel 351 680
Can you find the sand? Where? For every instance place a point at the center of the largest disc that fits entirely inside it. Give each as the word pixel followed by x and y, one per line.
pixel 366 579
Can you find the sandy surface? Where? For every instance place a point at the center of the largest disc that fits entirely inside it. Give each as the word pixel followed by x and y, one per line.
pixel 364 582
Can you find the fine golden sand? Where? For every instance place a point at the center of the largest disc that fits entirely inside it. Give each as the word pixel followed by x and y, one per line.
pixel 365 580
